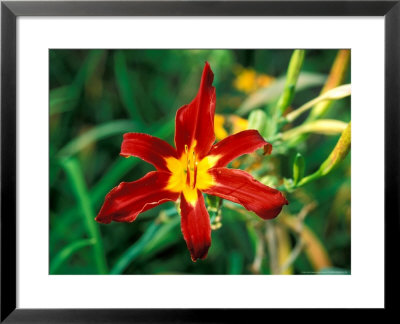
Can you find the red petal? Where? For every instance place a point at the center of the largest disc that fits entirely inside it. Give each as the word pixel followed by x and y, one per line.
pixel 195 121
pixel 240 187
pixel 128 199
pixel 196 228
pixel 238 144
pixel 148 148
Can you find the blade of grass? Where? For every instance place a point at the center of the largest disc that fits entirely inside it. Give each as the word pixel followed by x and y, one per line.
pixel 67 252
pixel 75 176
pixel 132 253
pixel 162 239
pixel 235 263
pixel 62 99
pixel 69 95
pixel 126 86
pixel 156 230
pixel 95 134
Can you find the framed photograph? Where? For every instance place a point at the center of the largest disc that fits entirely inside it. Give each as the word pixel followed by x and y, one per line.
pixel 183 156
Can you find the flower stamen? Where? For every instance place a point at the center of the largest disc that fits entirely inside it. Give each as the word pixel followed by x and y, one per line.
pixel 195 172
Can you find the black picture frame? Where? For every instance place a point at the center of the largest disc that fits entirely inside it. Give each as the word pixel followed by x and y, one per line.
pixel 11 10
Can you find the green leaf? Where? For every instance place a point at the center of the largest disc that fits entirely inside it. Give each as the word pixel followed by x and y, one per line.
pixel 126 86
pixel 75 176
pixel 67 252
pixel 95 134
pixel 165 236
pixel 63 99
pixel 235 265
pixel 270 94
pixel 134 251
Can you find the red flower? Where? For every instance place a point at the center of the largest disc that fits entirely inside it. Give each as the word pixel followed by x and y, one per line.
pixel 196 165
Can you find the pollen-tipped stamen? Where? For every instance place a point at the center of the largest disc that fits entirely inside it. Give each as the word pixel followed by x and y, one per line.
pixel 195 171
pixel 187 166
pixel 191 167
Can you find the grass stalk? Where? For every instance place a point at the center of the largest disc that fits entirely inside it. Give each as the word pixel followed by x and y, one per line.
pixel 75 176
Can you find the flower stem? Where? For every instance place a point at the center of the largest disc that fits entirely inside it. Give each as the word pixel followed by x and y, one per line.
pixel 295 64
pixel 335 78
pixel 321 126
pixel 333 94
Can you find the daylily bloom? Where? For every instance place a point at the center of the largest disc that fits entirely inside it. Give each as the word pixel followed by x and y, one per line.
pixel 195 166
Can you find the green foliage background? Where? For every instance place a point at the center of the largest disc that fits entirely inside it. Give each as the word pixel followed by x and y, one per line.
pixel 97 95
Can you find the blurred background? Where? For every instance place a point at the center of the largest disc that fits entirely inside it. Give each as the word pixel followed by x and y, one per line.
pixel 98 95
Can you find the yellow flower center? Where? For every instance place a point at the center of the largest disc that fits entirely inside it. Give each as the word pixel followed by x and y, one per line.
pixel 189 174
